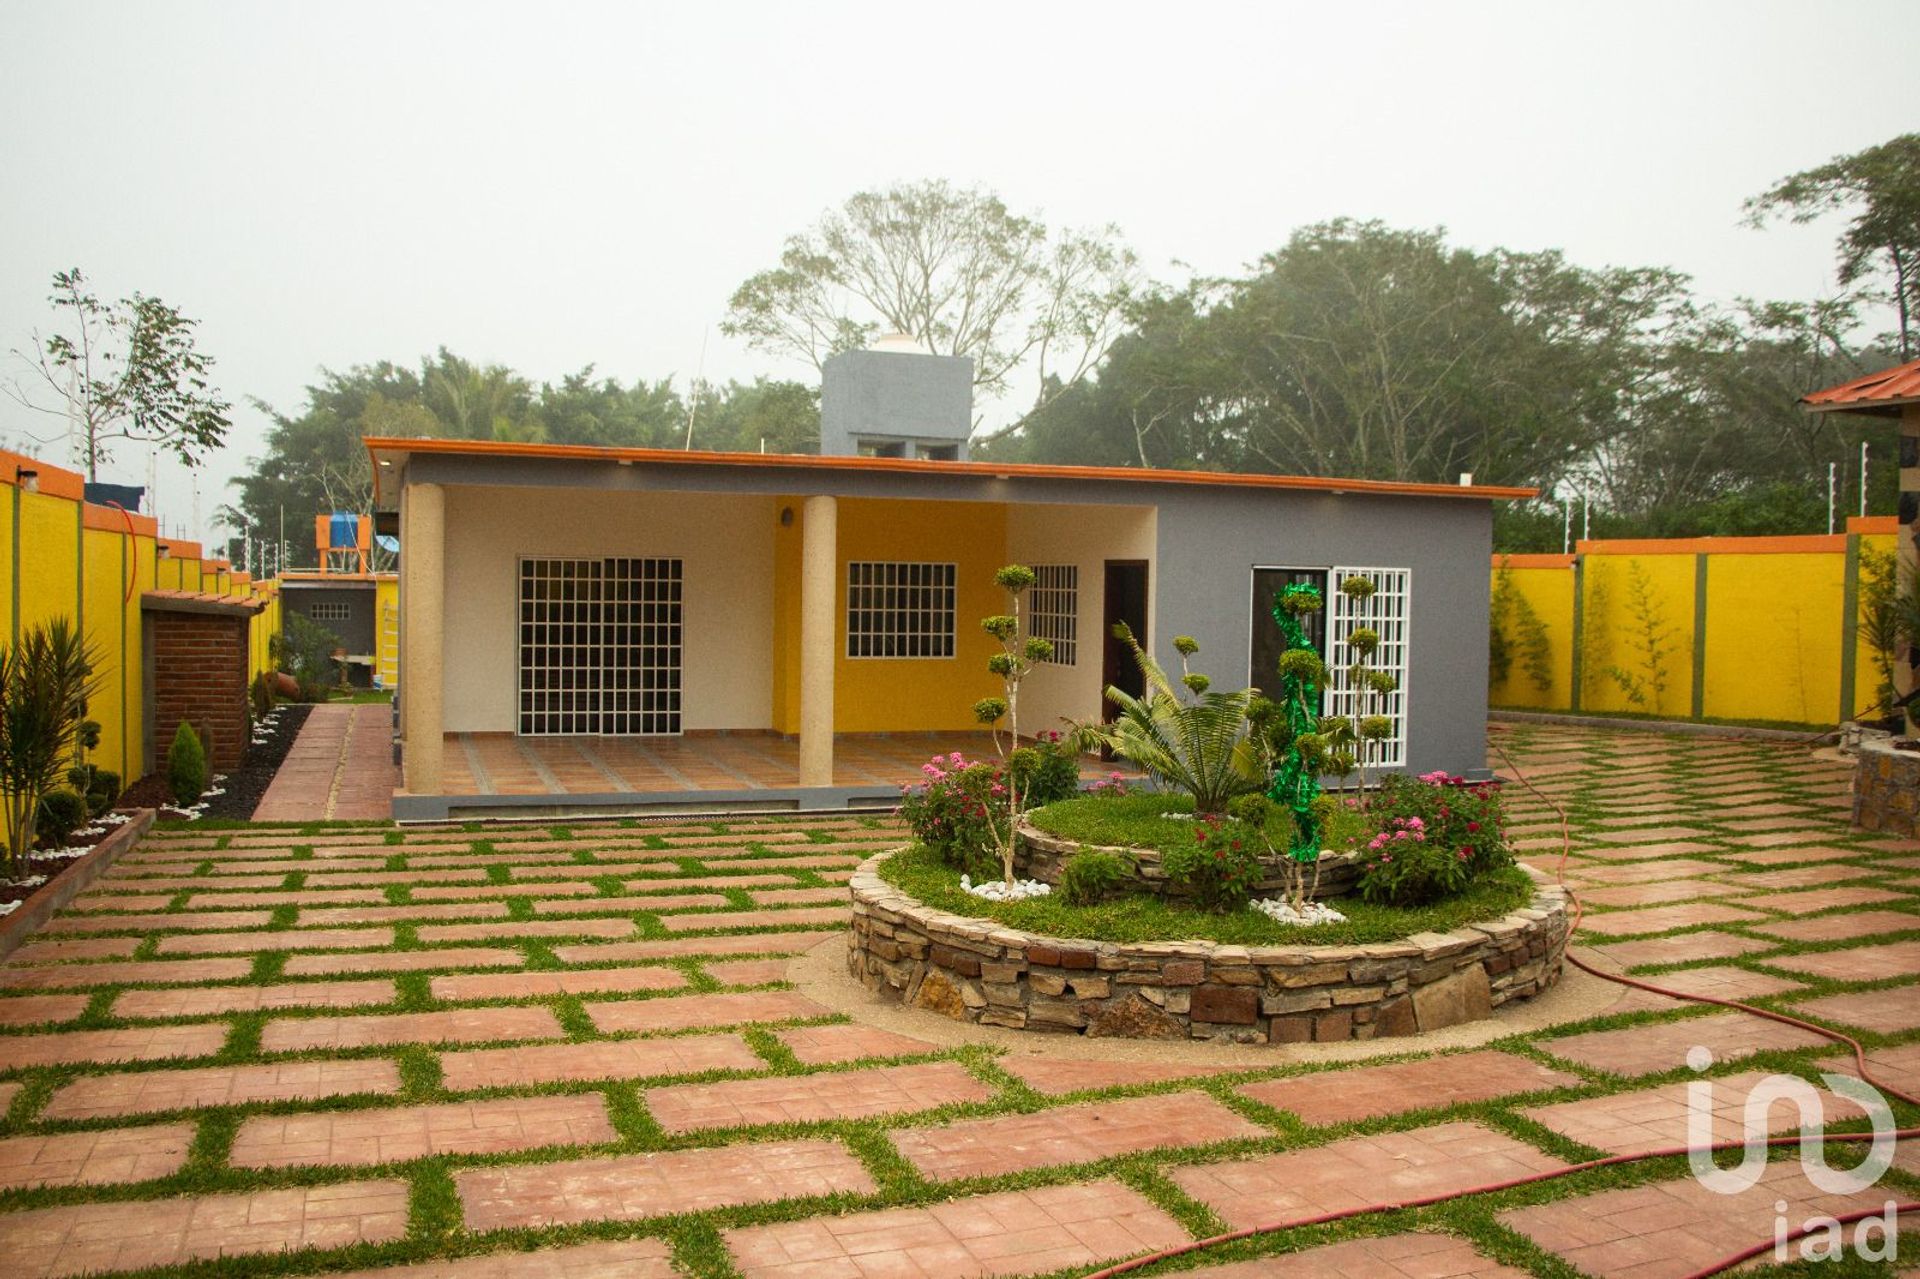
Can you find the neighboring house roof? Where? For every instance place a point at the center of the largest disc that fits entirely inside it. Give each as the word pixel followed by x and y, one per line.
pixel 401 448
pixel 1883 393
pixel 199 602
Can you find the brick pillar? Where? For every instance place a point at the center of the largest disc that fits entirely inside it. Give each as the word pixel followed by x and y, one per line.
pixel 200 676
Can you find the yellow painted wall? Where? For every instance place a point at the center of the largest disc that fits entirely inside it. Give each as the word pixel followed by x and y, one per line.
pixel 898 695
pixel 1550 593
pixel 1775 628
pixel 386 633
pixel 78 563
pixel 1612 626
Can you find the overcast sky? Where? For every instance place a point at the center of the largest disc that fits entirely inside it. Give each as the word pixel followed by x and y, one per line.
pixel 553 185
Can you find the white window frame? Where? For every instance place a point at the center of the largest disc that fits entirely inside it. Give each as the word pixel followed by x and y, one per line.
pixel 872 624
pixel 330 611
pixel 1389 611
pixel 1053 610
pixel 617 644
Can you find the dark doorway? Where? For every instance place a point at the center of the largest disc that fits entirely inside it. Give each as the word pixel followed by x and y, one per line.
pixel 1265 645
pixel 1126 593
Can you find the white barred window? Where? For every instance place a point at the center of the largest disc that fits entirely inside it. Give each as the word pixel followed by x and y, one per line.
pixel 899 610
pixel 1053 609
pixel 1386 611
pixel 329 610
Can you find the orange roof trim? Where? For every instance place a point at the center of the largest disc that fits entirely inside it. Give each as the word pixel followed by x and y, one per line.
pixel 916 466
pixel 1884 392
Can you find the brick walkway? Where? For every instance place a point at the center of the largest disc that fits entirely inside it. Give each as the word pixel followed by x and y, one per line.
pixel 340 768
pixel 576 1054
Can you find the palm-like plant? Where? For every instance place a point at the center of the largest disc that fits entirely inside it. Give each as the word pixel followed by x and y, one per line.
pixel 1198 741
pixel 45 682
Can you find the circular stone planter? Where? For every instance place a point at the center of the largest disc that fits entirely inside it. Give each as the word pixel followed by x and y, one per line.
pixel 980 971
pixel 1042 856
pixel 1886 787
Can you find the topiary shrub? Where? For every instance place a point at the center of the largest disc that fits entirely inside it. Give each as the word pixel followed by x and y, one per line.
pixel 1092 875
pixel 104 791
pixel 62 812
pixel 1046 772
pixel 186 766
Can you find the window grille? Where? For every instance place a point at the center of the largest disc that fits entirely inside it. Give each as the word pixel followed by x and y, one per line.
pixel 600 647
pixel 329 610
pixel 1054 609
pixel 899 610
pixel 1386 611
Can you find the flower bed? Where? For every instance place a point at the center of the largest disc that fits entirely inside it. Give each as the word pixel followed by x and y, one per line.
pixel 1043 856
pixel 981 971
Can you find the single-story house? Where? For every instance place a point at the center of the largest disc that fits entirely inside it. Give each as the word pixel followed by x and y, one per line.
pixel 626 629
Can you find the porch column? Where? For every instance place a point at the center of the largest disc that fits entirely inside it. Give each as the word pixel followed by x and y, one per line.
pixel 819 563
pixel 423 558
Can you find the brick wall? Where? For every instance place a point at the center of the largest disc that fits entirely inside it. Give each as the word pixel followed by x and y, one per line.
pixel 200 675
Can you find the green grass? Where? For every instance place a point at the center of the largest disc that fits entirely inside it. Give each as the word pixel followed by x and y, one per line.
pixel 920 873
pixel 1126 821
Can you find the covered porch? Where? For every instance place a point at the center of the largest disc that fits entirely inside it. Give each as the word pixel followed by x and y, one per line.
pixel 500 774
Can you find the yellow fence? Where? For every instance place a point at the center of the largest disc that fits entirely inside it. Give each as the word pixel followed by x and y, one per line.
pixel 62 556
pixel 1749 628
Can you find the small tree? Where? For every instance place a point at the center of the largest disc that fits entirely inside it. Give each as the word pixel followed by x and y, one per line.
pixel 45 681
pixel 1013 663
pixel 125 371
pixel 186 766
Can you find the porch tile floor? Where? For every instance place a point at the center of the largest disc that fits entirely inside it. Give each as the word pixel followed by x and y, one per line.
pixel 502 764
pixel 475 1088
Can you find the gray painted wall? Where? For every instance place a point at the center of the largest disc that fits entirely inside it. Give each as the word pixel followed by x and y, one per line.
pixel 1209 540
pixel 897 396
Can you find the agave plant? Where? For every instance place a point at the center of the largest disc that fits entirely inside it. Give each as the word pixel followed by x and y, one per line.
pixel 1185 735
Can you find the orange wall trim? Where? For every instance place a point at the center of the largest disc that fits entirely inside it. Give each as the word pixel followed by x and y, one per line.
pixel 1873 523
pixel 112 520
pixel 54 481
pixel 1808 544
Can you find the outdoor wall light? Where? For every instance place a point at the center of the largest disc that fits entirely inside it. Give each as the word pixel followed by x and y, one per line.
pixel 27 478
pixel 786 517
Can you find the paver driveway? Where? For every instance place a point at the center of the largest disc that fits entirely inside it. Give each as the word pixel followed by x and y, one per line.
pixel 575 1053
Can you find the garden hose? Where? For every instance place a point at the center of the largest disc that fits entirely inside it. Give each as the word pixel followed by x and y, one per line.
pixel 1612 1161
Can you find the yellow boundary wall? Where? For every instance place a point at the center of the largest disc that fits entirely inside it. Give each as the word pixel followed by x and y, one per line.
pixel 1752 628
pixel 62 556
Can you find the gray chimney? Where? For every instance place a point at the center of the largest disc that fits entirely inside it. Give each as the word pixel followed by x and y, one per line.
pixel 896 400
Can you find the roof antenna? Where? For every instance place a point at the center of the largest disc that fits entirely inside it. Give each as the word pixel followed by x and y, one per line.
pixel 699 377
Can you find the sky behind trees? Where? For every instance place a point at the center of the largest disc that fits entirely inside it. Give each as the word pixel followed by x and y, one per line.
pixel 548 187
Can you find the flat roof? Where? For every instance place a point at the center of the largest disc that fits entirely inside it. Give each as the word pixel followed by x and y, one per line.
pixel 386 450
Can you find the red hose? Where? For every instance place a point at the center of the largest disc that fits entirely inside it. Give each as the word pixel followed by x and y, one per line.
pixel 1725 1263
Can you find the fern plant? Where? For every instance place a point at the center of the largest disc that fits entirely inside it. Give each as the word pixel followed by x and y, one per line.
pixel 1187 736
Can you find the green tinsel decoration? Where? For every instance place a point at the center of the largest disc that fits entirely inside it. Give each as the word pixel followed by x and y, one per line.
pixel 1297 784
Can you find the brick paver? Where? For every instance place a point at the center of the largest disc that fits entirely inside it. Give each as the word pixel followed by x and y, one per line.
pixel 1680 948
pixel 1812 899
pixel 1364 1092
pixel 1862 963
pixel 613 1259
pixel 1844 927
pixel 47 1243
pixel 684 1012
pixel 678 947
pixel 754 918
pixel 824 1045
pixel 619 1059
pixel 1069 1135
pixel 1672 1228
pixel 1410 1256
pixel 1656 1118
pixel 1718 981
pixel 1642 1050
pixel 94 1158
pixel 853 1094
pixel 1014 1232
pixel 747 972
pixel 463 1026
pixel 1886 1011
pixel 183 921
pixel 284 939
pixel 402 961
pixel 148 1092
pixel 635 1186
pixel 206 1001
pixel 341 767
pixel 596 981
pixel 1658 919
pixel 55 952
pixel 630 905
pixel 142 1043
pixel 1056 1076
pixel 400 1133
pixel 30 1010
pixel 1358 1171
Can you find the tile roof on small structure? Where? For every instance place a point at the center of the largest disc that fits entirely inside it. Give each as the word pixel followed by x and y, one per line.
pixel 199 602
pixel 1883 393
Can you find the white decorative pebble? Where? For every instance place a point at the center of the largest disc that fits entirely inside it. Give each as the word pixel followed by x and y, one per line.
pixel 997 890
pixel 1283 913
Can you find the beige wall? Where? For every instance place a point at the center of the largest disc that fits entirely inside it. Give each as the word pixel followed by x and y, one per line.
pixel 725 543
pixel 1087 536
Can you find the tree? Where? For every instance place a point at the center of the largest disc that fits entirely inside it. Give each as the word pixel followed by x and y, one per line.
pixel 957 271
pixel 125 371
pixel 1879 188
